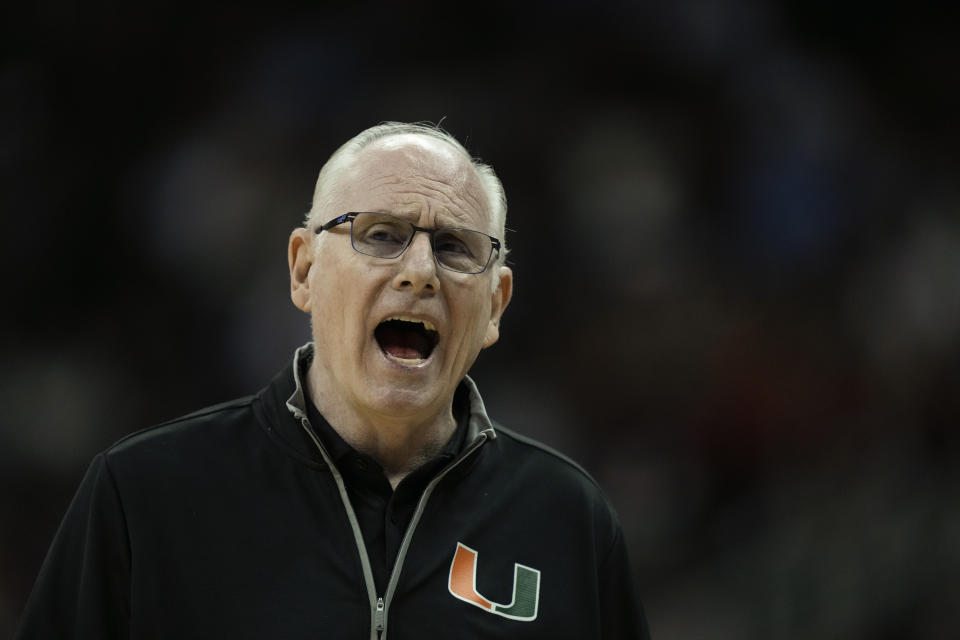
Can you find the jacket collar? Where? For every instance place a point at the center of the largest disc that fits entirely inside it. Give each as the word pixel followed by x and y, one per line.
pixel 281 408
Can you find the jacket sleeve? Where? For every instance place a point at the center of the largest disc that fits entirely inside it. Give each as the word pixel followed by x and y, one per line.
pixel 82 590
pixel 621 613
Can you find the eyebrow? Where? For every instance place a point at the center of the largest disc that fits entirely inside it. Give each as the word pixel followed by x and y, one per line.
pixel 447 220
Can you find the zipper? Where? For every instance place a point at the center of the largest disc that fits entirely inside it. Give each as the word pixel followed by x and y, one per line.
pixel 486 434
pixel 380 605
pixel 379 615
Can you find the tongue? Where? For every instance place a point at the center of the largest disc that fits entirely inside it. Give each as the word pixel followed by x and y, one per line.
pixel 402 343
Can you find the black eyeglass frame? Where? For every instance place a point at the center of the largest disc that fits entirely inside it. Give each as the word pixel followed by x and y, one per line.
pixel 349 217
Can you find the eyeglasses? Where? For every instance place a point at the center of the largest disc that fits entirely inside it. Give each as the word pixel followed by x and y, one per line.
pixel 382 235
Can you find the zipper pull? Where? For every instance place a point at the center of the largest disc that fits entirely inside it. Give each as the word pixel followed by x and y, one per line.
pixel 379 614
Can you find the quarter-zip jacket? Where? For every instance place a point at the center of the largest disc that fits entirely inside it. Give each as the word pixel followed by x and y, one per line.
pixel 233 522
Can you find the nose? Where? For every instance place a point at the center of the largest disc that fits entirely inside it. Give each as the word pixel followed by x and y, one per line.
pixel 418 268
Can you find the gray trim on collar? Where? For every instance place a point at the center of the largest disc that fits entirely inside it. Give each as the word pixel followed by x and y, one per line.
pixel 297 402
pixel 479 420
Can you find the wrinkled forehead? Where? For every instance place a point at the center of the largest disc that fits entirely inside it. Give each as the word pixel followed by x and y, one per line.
pixel 409 169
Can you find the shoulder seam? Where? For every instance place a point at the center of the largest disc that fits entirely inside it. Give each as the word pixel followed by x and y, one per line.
pixel 116 492
pixel 231 405
pixel 546 449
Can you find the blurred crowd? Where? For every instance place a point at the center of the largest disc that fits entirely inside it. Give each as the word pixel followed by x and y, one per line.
pixel 734 227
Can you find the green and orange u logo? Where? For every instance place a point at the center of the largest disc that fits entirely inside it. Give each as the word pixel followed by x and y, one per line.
pixel 526 586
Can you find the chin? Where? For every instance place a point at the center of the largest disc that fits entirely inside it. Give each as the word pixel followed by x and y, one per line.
pixel 415 401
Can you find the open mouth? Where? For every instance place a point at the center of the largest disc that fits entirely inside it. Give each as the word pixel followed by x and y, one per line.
pixel 406 339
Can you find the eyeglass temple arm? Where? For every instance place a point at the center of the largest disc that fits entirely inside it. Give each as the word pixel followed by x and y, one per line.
pixel 336 221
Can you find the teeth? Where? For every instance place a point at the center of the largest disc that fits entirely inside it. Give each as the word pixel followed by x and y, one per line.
pixel 426 323
pixel 406 360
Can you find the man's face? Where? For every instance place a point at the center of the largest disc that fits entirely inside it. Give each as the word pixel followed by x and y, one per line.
pixel 378 367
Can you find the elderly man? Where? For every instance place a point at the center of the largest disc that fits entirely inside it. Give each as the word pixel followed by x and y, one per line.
pixel 364 493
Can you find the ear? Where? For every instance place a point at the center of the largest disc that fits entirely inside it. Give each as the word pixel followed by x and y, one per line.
pixel 498 303
pixel 300 259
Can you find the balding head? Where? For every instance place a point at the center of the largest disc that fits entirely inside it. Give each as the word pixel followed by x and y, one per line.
pixel 337 167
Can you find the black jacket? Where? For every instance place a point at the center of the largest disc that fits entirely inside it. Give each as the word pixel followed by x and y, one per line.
pixel 233 523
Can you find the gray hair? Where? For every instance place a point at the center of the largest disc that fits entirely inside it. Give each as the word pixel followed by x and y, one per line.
pixel 491 183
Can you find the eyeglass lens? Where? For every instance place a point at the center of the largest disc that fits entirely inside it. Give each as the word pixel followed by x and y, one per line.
pixel 385 236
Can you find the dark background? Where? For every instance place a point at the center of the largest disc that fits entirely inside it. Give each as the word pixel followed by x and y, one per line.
pixel 735 229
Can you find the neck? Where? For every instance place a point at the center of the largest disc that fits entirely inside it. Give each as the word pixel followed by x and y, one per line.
pixel 399 444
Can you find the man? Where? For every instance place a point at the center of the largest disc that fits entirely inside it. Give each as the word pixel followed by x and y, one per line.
pixel 364 493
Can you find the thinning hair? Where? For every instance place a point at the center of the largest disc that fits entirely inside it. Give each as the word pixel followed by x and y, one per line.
pixel 348 150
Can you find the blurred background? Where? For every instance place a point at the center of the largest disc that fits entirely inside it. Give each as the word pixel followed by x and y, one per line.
pixel 735 231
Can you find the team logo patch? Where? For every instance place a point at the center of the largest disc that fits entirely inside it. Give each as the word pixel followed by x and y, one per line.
pixel 526 587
